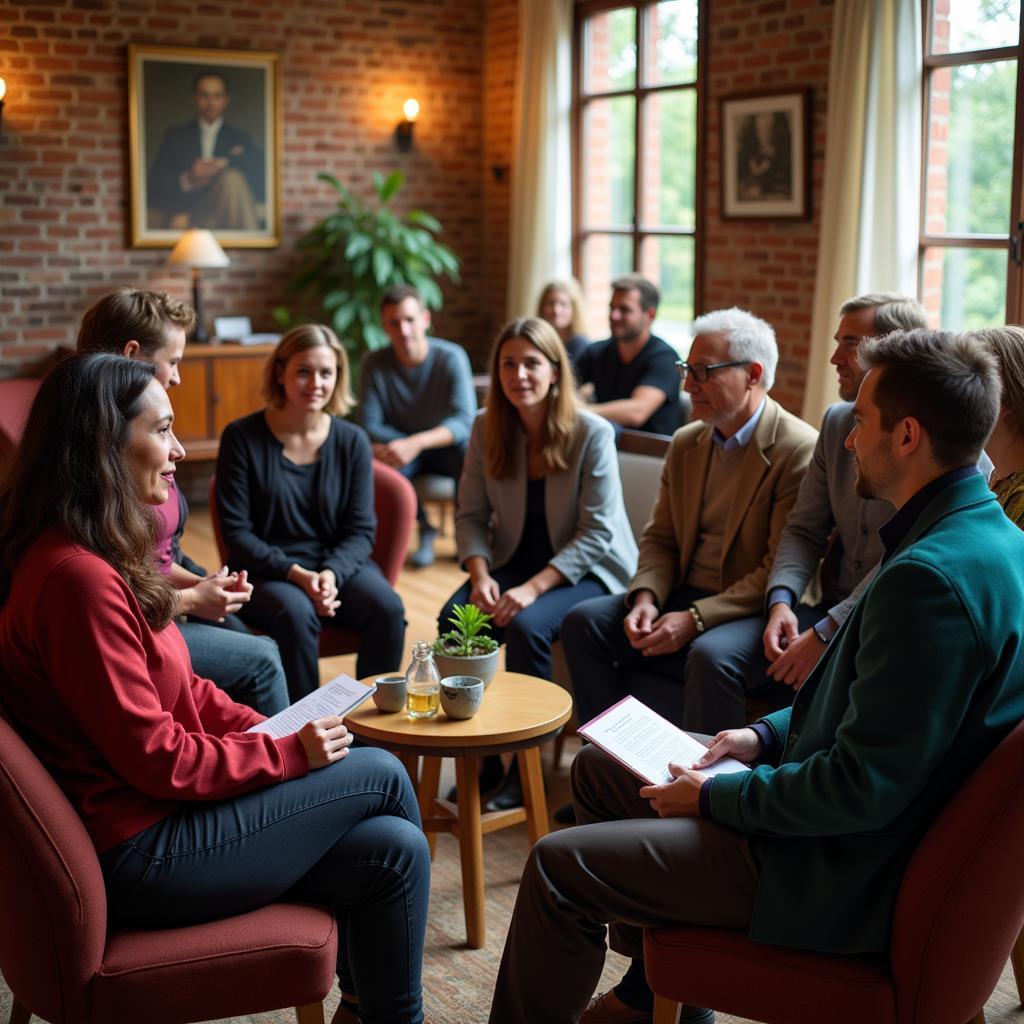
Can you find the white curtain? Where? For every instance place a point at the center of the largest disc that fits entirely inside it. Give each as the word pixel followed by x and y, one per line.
pixel 871 199
pixel 541 216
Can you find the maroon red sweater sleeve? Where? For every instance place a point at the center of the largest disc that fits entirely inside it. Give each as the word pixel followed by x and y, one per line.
pixel 113 708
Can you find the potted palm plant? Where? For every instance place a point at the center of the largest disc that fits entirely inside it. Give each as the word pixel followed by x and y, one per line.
pixel 352 256
pixel 465 650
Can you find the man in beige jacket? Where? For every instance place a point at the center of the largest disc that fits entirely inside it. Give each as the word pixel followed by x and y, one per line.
pixel 727 486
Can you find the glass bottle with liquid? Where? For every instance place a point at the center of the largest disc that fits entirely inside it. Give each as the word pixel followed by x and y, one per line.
pixel 422 683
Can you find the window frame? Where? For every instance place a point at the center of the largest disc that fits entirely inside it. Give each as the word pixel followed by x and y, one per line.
pixel 1012 243
pixel 639 231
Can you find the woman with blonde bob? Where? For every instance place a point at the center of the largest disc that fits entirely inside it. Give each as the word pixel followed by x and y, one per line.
pixel 1005 446
pixel 295 501
pixel 541 524
pixel 561 304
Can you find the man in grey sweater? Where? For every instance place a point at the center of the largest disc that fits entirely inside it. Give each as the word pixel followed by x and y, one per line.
pixel 416 400
pixel 789 642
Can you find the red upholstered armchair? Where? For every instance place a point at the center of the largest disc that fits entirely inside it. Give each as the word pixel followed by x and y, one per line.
pixel 62 965
pixel 958 912
pixel 394 502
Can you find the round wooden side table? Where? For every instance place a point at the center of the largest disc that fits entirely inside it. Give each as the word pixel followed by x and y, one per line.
pixel 519 713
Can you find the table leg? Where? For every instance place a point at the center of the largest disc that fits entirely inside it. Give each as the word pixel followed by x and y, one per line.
pixel 533 793
pixel 471 849
pixel 429 780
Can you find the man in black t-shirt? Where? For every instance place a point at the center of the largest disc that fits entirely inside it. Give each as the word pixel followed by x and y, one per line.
pixel 633 373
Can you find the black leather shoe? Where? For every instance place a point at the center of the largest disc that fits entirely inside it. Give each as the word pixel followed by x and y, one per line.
pixel 565 815
pixel 510 795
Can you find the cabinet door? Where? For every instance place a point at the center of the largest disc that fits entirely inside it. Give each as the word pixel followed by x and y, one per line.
pixel 191 401
pixel 237 383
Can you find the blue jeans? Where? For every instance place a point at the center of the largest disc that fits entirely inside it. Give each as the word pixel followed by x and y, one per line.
pixel 347 836
pixel 246 667
pixel 530 635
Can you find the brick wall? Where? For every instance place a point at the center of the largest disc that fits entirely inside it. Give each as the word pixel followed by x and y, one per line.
pixel 347 67
pixel 767 266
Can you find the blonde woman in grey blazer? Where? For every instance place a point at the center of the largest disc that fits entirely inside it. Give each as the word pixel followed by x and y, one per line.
pixel 541 523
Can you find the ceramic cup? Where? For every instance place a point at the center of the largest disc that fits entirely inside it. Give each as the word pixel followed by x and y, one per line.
pixel 390 693
pixel 461 696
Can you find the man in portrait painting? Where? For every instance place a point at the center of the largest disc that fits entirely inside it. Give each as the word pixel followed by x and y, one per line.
pixel 208 173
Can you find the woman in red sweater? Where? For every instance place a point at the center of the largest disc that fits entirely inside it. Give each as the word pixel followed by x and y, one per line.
pixel 193 817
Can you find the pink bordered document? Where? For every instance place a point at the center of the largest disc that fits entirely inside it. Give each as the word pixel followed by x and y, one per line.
pixel 644 742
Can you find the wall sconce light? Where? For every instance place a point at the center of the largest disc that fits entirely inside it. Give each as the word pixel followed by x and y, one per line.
pixel 197 248
pixel 3 93
pixel 403 130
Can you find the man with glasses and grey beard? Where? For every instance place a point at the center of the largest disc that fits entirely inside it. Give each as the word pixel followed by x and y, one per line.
pixel 728 483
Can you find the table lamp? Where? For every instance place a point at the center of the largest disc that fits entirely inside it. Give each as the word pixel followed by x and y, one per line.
pixel 198 249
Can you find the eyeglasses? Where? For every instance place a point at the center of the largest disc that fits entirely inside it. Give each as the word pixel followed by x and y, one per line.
pixel 701 371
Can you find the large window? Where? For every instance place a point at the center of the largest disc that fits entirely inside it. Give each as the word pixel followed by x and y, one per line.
pixel 972 205
pixel 637 125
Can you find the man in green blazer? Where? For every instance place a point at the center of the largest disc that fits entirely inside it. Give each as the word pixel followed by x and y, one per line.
pixel 808 849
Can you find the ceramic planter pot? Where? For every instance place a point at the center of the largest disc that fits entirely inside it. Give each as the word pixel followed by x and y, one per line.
pixel 483 666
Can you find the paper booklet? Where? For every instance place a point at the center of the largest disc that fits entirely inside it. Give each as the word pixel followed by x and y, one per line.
pixel 644 742
pixel 338 697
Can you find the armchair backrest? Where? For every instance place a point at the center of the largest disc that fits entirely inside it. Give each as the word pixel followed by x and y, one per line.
pixel 641 457
pixel 53 905
pixel 961 902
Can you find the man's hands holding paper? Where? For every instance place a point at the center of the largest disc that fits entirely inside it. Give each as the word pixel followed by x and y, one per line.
pixel 681 797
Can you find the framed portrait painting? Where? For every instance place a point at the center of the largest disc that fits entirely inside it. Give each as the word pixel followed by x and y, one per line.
pixel 204 136
pixel 766 155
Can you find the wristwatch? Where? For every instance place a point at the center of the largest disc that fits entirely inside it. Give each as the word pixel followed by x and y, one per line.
pixel 697 620
pixel 821 635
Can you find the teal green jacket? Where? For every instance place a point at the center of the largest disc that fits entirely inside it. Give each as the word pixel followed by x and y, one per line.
pixel 921 683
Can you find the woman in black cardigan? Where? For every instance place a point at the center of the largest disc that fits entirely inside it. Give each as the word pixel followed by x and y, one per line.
pixel 295 502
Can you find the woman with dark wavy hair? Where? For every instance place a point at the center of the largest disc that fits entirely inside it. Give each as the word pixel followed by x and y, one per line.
pixel 193 816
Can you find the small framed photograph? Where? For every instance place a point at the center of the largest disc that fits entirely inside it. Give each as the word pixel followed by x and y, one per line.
pixel 766 155
pixel 205 137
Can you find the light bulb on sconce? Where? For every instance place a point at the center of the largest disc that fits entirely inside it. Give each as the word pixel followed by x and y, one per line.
pixel 403 130
pixel 3 93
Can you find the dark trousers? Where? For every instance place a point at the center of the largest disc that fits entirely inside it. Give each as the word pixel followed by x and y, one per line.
pixel 435 462
pixel 622 863
pixel 701 687
pixel 528 638
pixel 368 606
pixel 347 836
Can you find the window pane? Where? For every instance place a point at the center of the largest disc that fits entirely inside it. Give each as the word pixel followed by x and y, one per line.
pixel 668 260
pixel 668 194
pixel 959 25
pixel 605 257
pixel 964 288
pixel 970 148
pixel 608 162
pixel 610 51
pixel 671 50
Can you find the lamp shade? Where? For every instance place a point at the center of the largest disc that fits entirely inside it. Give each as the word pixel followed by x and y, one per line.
pixel 198 248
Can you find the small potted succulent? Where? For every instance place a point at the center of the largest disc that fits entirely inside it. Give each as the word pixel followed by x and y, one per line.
pixel 464 650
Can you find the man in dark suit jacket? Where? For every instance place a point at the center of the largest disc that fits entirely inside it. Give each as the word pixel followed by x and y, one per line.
pixel 207 172
pixel 923 680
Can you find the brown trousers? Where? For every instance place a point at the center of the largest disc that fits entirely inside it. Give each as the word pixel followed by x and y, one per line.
pixel 621 866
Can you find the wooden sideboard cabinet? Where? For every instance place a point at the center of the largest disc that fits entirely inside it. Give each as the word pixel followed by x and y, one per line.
pixel 219 383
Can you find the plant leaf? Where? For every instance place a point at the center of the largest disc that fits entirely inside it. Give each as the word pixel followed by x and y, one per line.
pixel 390 186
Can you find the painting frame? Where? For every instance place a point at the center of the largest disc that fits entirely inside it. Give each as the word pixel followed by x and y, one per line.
pixel 167 88
pixel 766 155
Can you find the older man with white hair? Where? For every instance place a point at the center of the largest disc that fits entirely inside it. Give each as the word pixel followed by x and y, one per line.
pixel 729 481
